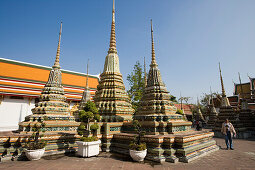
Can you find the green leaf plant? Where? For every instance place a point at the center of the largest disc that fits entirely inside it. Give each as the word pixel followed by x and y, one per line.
pixel 136 144
pixel 35 140
pixel 88 114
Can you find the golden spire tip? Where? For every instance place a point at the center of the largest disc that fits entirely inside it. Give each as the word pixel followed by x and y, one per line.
pixel 87 78
pixel 153 58
pixel 56 64
pixel 112 48
pixel 113 6
pixel 151 26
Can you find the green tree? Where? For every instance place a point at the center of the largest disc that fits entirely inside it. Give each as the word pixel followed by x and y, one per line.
pixel 206 102
pixel 34 141
pixel 88 113
pixel 173 98
pixel 206 99
pixel 136 82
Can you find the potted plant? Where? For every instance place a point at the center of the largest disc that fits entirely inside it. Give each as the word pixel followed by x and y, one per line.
pixel 35 146
pixel 138 149
pixel 89 145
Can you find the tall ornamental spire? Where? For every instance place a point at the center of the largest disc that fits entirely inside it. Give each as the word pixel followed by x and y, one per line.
pixel 199 115
pixel 111 99
pixel 113 11
pixel 52 104
pixel 211 96
pixel 112 48
pixel 213 113
pixel 181 99
pixel 87 78
pixel 213 109
pixel 242 94
pixel 224 100
pixel 86 93
pixel 244 104
pixel 155 99
pixel 145 74
pixel 56 64
pixel 153 58
pixel 154 77
pixel 222 85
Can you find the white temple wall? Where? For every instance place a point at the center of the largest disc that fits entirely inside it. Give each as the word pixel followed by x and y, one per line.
pixel 13 111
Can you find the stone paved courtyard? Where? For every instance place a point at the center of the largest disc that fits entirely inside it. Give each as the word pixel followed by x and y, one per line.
pixel 243 157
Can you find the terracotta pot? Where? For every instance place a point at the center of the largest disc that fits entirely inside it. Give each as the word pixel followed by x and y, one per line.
pixel 138 155
pixel 34 155
pixel 88 149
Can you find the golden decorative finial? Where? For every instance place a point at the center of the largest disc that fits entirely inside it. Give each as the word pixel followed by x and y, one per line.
pixel 145 74
pixel 153 58
pixel 113 11
pixel 112 48
pixel 87 81
pixel 56 64
pixel 222 85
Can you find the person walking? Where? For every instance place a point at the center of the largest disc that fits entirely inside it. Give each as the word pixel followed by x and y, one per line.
pixel 228 131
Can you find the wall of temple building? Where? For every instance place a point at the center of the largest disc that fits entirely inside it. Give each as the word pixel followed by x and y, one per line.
pixel 13 109
pixel 246 87
pixel 244 90
pixel 21 84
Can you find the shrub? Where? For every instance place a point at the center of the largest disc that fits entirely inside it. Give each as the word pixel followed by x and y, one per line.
pixel 34 140
pixel 88 113
pixel 94 127
pixel 81 127
pixel 85 116
pixel 89 139
pixel 97 117
pixel 90 106
pixel 136 144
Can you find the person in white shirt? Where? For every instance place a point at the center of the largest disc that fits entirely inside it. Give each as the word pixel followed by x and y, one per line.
pixel 228 131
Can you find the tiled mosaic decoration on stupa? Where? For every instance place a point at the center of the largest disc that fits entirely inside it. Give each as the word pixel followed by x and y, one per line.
pixel 111 98
pixel 157 113
pixel 52 107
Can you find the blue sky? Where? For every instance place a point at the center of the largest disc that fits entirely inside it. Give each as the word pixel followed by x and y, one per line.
pixel 191 37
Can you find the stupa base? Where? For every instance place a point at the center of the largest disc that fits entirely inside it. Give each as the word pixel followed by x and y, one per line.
pixel 198 154
pixel 183 147
pixel 11 144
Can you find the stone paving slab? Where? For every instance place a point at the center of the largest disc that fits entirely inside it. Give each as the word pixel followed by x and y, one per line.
pixel 243 157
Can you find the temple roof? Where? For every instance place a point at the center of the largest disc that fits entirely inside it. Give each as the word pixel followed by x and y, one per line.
pixel 26 79
pixel 187 107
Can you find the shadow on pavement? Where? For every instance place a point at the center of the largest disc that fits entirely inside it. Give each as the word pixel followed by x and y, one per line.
pixel 129 159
